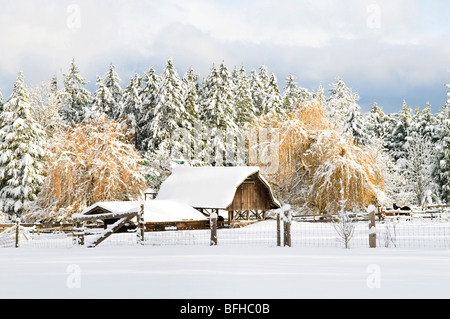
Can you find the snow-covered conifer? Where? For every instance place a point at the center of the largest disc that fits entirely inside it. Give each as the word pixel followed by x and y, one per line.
pixel 103 102
pixel 148 95
pixel 354 126
pixel 291 95
pixel 245 111
pixel 132 106
pixel 21 160
pixel 217 109
pixel 441 172
pixel 376 121
pixel 112 82
pixel 170 115
pixel 74 97
pixel 190 95
pixel 273 101
pixel 339 102
pixel 1 101
pixel 395 141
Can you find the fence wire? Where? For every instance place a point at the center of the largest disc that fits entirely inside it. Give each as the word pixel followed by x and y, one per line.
pixel 433 233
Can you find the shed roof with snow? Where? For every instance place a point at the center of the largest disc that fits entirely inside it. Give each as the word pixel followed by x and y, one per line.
pixel 224 188
pixel 154 210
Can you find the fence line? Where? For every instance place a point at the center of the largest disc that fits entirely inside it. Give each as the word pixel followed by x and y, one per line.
pixel 392 233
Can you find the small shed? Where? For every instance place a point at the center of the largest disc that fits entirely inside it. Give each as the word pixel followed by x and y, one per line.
pixel 241 191
pixel 154 210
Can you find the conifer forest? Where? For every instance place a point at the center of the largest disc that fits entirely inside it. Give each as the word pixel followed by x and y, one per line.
pixel 63 147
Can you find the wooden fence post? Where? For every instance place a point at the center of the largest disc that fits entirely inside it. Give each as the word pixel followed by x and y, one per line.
pixel 79 232
pixel 287 226
pixel 141 225
pixel 279 227
pixel 372 229
pixel 213 225
pixel 17 232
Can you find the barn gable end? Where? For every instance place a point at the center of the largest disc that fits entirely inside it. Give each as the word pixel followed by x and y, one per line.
pixel 241 191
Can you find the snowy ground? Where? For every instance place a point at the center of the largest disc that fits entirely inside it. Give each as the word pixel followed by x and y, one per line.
pixel 242 272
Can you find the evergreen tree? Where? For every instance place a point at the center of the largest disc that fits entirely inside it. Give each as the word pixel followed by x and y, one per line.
pixel 354 126
pixel 218 114
pixel 21 163
pixel 376 121
pixel 273 101
pixel 132 106
pixel 441 173
pixel 74 97
pixel 259 84
pixel 245 111
pixel 396 139
pixel 190 95
pixel 112 82
pixel 193 138
pixel 103 102
pixel 291 95
pixel 148 95
pixel 1 101
pixel 340 101
pixel 169 115
pixel 217 109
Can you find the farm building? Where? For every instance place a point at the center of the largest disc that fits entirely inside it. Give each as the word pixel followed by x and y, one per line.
pixel 240 191
pixel 154 210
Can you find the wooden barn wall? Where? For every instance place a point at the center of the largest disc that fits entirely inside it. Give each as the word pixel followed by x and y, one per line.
pixel 251 196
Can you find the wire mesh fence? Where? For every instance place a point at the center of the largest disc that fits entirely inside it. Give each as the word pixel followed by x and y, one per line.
pixel 417 233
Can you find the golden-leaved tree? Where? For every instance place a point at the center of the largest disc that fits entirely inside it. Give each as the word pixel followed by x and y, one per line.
pixel 318 167
pixel 91 162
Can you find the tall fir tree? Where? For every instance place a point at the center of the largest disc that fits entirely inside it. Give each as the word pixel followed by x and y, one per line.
pixel 112 82
pixel 217 109
pixel 170 115
pixel 21 146
pixel 273 102
pixel 103 102
pixel 421 159
pixel 132 106
pixel 245 111
pixel 259 84
pixel 191 95
pixel 291 94
pixel 396 140
pixel 218 113
pixel 75 99
pixel 339 102
pixel 355 127
pixel 376 121
pixel 441 172
pixel 1 101
pixel 148 95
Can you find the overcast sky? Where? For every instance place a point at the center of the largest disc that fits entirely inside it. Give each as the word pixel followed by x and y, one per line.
pixel 386 51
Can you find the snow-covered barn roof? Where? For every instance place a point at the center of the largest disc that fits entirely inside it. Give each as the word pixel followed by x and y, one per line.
pixel 154 210
pixel 208 187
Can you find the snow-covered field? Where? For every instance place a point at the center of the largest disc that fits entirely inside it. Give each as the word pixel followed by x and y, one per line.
pixel 236 272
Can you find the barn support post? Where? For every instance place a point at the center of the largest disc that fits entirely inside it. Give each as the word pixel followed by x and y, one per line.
pixel 17 232
pixel 213 225
pixel 372 229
